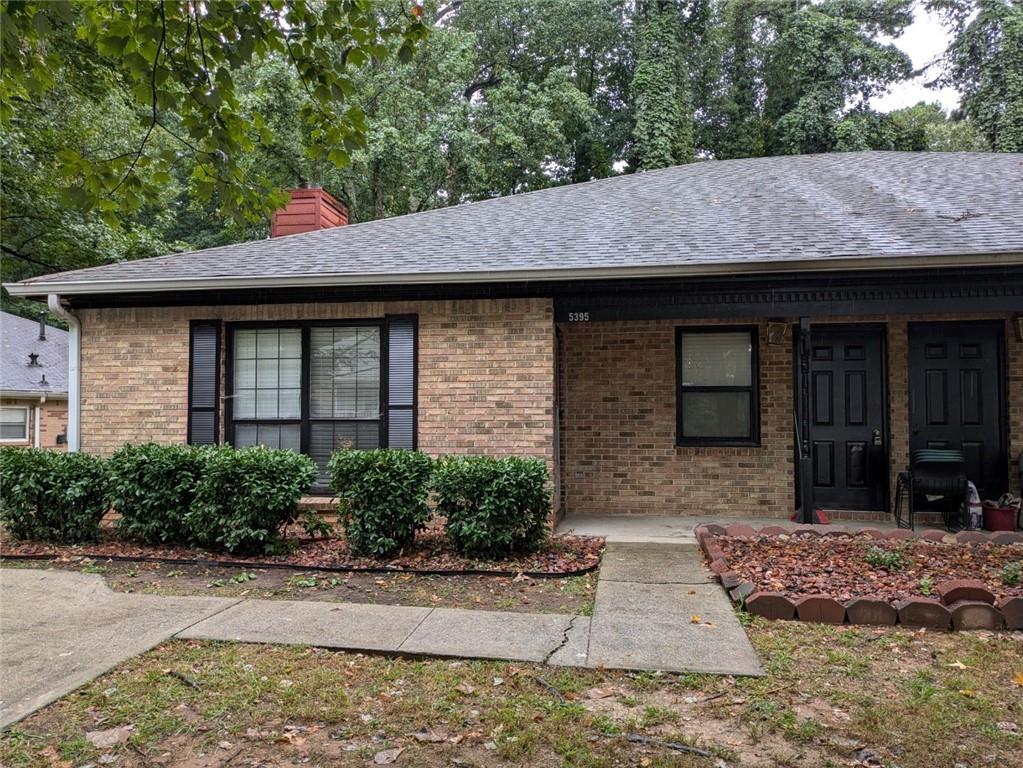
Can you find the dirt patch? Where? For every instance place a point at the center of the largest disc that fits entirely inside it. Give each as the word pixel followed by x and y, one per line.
pixel 430 552
pixel 846 568
pixel 572 594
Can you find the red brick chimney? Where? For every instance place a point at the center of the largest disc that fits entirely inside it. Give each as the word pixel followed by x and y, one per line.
pixel 311 208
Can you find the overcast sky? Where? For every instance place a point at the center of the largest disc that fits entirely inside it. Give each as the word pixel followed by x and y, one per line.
pixel 924 40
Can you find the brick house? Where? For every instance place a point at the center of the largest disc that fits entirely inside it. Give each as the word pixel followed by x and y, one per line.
pixel 33 383
pixel 671 342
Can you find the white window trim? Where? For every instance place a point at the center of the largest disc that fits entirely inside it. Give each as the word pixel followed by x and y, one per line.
pixel 27 436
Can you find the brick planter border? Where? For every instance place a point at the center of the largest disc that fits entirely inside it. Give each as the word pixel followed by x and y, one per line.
pixel 951 612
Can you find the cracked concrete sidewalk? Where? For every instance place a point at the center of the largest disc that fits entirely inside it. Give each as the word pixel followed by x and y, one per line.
pixel 656 608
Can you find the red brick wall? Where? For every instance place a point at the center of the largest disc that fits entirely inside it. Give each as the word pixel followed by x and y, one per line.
pixel 618 430
pixel 486 371
pixel 617 423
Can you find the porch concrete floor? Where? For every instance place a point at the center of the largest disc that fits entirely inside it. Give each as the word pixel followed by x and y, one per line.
pixel 679 529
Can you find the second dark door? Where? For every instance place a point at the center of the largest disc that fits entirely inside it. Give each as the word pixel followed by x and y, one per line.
pixel 955 390
pixel 848 401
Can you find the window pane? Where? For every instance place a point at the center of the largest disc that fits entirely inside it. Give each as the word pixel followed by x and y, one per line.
pixel 291 372
pixel 244 404
pixel 245 374
pixel 245 435
pixel 266 374
pixel 244 344
pixel 291 343
pixel 345 373
pixel 716 414
pixel 717 359
pixel 290 404
pixel 267 342
pixel 266 403
pixel 13 423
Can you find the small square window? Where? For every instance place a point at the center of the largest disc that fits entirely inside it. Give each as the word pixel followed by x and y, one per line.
pixel 13 424
pixel 718 395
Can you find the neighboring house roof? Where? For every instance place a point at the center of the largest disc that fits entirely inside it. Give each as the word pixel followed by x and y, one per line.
pixel 832 211
pixel 19 337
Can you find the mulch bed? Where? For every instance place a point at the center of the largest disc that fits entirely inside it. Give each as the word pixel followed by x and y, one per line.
pixel 835 566
pixel 431 553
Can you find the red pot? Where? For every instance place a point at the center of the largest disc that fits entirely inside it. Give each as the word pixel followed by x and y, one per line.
pixel 998 518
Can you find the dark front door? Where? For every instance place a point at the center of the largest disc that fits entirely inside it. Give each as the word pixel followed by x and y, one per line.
pixel 955 397
pixel 848 402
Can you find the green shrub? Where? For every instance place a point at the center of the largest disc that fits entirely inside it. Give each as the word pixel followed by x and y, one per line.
pixel 926 586
pixel 152 487
pixel 381 498
pixel 494 507
pixel 52 496
pixel 1012 574
pixel 245 499
pixel 889 559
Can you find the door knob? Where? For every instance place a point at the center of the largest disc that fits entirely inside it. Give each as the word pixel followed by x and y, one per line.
pixel 875 437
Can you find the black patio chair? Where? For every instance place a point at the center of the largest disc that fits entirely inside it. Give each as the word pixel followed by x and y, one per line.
pixel 932 472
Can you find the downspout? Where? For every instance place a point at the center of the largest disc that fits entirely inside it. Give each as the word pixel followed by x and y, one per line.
pixel 37 441
pixel 73 372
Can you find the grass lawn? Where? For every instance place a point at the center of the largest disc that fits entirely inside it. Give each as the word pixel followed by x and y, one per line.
pixel 832 696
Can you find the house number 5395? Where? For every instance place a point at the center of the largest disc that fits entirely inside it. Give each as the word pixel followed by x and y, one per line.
pixel 578 317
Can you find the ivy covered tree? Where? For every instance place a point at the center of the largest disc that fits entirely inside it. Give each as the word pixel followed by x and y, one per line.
pixel 791 73
pixel 663 134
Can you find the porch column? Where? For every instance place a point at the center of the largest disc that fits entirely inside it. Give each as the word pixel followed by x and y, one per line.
pixel 803 425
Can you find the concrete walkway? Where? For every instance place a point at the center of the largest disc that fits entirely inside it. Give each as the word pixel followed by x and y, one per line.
pixel 666 529
pixel 656 608
pixel 659 608
pixel 60 629
pixel 541 637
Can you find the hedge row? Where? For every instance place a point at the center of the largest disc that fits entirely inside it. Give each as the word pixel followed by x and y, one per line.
pixel 493 507
pixel 232 500
pixel 218 498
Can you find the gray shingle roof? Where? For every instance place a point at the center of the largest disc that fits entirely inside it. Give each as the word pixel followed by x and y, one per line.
pixel 18 338
pixel 732 215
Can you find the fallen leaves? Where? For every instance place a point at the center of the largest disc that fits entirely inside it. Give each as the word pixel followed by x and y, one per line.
pixel 430 552
pixel 110 737
pixel 836 566
pixel 387 756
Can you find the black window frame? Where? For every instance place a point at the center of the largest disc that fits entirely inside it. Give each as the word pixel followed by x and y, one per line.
pixel 304 421
pixel 753 441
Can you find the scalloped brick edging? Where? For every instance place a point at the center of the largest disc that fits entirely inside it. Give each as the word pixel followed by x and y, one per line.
pixel 964 604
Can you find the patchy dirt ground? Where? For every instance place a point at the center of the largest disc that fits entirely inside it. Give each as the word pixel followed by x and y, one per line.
pixel 832 696
pixel 430 552
pixel 567 594
pixel 846 568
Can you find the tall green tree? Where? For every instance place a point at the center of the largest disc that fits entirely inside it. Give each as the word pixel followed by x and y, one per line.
pixel 793 72
pixel 176 61
pixel 985 63
pixel 664 133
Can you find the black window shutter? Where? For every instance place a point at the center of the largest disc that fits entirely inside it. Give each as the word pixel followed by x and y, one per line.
pixel 401 381
pixel 204 382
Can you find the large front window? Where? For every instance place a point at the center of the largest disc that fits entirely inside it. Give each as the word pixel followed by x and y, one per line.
pixel 717 386
pixel 312 388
